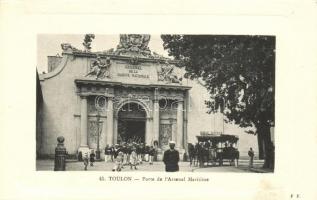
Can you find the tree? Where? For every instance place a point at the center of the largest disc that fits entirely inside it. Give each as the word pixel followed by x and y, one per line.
pixel 239 74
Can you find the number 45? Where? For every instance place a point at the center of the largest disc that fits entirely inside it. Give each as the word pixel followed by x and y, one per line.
pixel 295 196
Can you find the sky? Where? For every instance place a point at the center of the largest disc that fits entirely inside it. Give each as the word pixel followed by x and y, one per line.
pixel 50 45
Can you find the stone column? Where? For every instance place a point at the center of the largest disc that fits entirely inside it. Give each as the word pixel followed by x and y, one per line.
pixel 186 110
pixel 156 116
pixel 179 122
pixel 83 125
pixel 115 130
pixel 109 134
pixel 148 135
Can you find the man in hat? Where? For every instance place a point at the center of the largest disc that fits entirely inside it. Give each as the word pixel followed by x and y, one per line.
pixel 171 158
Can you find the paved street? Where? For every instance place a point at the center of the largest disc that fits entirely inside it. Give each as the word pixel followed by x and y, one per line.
pixel 48 165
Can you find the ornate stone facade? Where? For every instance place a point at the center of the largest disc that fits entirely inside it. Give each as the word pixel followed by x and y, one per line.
pixel 129 75
pixel 89 85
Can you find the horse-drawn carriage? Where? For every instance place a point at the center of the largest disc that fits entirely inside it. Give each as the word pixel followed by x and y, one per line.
pixel 213 149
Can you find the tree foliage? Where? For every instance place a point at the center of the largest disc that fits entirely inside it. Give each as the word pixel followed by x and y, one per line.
pixel 238 72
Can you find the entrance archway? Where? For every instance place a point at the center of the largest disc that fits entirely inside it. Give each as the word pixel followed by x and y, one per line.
pixel 131 123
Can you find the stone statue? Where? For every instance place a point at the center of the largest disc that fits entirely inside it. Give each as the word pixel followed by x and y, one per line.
pixel 67 46
pixel 166 73
pixel 100 69
pixel 145 42
pixel 135 43
pixel 87 41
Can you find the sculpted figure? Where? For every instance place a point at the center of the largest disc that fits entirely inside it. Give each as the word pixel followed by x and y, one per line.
pixel 66 46
pixel 136 43
pixel 123 41
pixel 145 42
pixel 167 73
pixel 100 69
pixel 87 41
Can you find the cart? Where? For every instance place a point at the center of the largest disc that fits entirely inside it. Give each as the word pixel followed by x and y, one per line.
pixel 220 148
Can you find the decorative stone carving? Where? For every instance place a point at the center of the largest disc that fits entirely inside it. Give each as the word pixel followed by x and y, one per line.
pixel 136 43
pixel 99 69
pixel 87 41
pixel 165 134
pixel 166 73
pixel 157 56
pixel 109 51
pixel 134 60
pixel 67 47
pixel 93 131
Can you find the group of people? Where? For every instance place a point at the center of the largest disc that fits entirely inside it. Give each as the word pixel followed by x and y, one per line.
pixel 204 152
pixel 124 154
pixel 131 154
pixel 89 159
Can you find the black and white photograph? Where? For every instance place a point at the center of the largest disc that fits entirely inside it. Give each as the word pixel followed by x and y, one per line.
pixel 158 100
pixel 169 103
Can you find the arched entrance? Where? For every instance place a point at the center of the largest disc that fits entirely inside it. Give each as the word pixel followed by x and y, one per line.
pixel 131 123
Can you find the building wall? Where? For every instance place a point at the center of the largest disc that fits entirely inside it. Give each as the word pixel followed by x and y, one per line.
pixel 61 110
pixel 60 103
pixel 199 120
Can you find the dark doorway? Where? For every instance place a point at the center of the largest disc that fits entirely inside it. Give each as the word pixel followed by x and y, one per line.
pixel 131 124
pixel 131 131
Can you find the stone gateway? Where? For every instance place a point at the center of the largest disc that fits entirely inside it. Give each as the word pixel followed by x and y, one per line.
pixel 124 89
pixel 94 99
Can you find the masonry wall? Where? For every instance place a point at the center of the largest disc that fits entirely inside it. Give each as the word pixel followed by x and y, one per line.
pixel 60 104
pixel 61 110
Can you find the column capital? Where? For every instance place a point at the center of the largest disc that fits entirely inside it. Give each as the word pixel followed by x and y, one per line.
pixel 83 96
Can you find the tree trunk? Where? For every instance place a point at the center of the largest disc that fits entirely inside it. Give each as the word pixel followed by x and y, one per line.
pixel 260 146
pixel 264 131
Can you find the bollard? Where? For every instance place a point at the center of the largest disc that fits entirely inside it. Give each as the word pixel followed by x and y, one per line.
pixel 185 157
pixel 60 155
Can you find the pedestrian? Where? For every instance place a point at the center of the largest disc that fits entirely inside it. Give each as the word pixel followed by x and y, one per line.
pixel 200 154
pixel 171 158
pixel 133 158
pixel 86 160
pixel 92 157
pixel 142 150
pixel 125 154
pixel 139 153
pixel 146 153
pixel 107 153
pixel 118 162
pixel 151 154
pixel 112 153
pixel 251 155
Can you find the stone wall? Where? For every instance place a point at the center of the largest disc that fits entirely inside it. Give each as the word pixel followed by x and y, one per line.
pixel 61 107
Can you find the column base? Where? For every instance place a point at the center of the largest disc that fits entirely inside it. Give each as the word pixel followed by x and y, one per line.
pixel 181 154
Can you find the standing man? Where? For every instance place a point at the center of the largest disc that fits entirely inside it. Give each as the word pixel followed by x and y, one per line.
pixel 171 158
pixel 151 154
pixel 86 160
pixel 92 157
pixel 251 155
pixel 107 153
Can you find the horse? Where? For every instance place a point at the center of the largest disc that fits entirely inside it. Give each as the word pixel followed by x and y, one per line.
pixel 191 153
